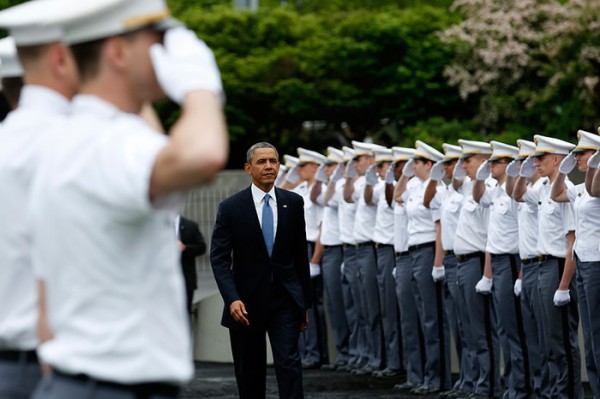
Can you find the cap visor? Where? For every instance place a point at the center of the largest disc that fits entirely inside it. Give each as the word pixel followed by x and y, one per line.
pixel 167 23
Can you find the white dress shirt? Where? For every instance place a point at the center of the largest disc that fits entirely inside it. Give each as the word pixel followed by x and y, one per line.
pixel 258 197
pixel 347 215
pixel 587 228
pixel 447 202
pixel 471 230
pixel 384 217
pixel 503 226
pixel 529 225
pixel 421 227
pixel 330 226
pixel 364 225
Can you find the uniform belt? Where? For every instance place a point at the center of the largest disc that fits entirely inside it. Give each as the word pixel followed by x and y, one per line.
pixel 378 245
pixel 420 246
pixel 15 356
pixel 544 258
pixel 448 252
pixel 364 244
pixel 402 253
pixel 334 246
pixel 527 261
pixel 346 245
pixel 142 389
pixel 494 256
pixel 465 257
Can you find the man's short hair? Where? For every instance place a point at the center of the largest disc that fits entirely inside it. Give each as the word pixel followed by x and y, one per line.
pixel 262 144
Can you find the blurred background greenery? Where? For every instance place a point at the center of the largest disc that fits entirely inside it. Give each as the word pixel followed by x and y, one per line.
pixel 313 73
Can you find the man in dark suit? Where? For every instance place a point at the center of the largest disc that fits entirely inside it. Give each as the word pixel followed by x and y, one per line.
pixel 192 245
pixel 259 259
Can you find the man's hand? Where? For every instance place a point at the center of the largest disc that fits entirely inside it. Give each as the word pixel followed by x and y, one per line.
pixel 181 245
pixel 237 309
pixel 561 297
pixel 315 269
pixel 321 174
pixel 390 178
pixel 337 173
pixel 527 167
pixel 438 273
pixel 518 287
pixel 484 286
pixel 594 160
pixel 484 171
pixel 567 164
pixel 513 168
pixel 304 324
pixel 351 171
pixel 459 173
pixel 292 176
pixel 437 171
pixel 408 170
pixel 371 176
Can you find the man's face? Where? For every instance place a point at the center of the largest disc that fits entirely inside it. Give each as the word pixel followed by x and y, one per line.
pixel 582 158
pixel 421 168
pixel 498 168
pixel 330 168
pixel 307 170
pixel 382 168
pixel 398 169
pixel 263 168
pixel 362 163
pixel 546 164
pixel 140 70
pixel 449 168
pixel 471 164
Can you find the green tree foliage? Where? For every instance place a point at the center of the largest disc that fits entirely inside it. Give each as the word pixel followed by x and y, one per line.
pixel 351 73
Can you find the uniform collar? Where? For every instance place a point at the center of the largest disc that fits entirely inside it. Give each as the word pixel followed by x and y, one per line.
pixel 40 96
pixel 85 103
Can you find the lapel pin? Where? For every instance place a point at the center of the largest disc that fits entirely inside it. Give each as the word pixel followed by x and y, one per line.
pixel 284 205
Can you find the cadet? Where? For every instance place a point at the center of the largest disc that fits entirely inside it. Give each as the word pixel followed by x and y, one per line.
pixel 555 243
pixel 11 72
pixel 503 247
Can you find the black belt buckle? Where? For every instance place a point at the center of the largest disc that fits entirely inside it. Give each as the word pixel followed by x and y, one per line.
pixel 402 253
pixel 364 244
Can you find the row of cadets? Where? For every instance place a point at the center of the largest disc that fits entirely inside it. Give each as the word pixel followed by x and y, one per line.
pixel 470 243
pixel 447 203
pixel 503 247
pixel 429 295
pixel 559 321
pixel 336 289
pixel 378 193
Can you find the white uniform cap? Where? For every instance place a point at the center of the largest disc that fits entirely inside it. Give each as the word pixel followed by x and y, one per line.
pixel 549 145
pixel 587 141
pixel 348 153
pixel 501 150
pixel 290 161
pixel 471 147
pixel 361 148
pixel 402 153
pixel 383 155
pixel 526 148
pixel 334 155
pixel 10 67
pixel 424 150
pixel 115 17
pixel 306 156
pixel 451 152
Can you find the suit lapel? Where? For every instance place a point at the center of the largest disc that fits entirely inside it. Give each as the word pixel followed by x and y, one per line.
pixel 282 217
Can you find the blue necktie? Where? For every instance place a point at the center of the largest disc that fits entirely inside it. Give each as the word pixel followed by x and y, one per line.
pixel 267 224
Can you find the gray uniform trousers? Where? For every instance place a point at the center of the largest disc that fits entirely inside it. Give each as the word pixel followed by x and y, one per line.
pixel 332 281
pixel 353 299
pixel 482 331
pixel 367 264
pixel 505 270
pixel 389 308
pixel 412 337
pixel 313 341
pixel 58 387
pixel 560 329
pixel 18 376
pixel 429 297
pixel 454 312
pixel 532 320
pixel 588 295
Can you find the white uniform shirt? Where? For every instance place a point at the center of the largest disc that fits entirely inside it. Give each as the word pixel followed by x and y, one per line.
pixel 421 227
pixel 587 228
pixel 555 220
pixel 471 230
pixel 528 225
pixel 401 222
pixel 312 212
pixel 447 203
pixel 364 225
pixel 23 137
pixel 347 215
pixel 115 292
pixel 330 226
pixel 258 196
pixel 503 226
pixel 384 218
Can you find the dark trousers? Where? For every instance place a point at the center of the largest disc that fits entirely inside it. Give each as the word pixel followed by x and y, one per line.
pixel 249 348
pixel 19 374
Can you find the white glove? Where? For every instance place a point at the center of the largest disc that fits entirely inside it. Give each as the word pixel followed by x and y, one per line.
pixel 183 64
pixel 394 272
pixel 337 173
pixel 342 269
pixel 321 174
pixel 390 177
pixel 513 168
pixel 527 168
pixel 438 273
pixel 594 160
pixel 280 176
pixel 561 298
pixel 292 175
pixel 567 164
pixel 315 269
pixel 371 176
pixel 484 286
pixel 408 170
pixel 437 171
pixel 484 171
pixel 459 173
pixel 518 287
pixel 351 171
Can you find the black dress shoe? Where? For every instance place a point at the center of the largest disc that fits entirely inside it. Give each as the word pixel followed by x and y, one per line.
pixel 407 386
pixel 310 365
pixel 387 373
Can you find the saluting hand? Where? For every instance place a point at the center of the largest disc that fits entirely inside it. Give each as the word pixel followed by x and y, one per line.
pixel 594 160
pixel 237 309
pixel 408 169
pixel 484 171
pixel 371 176
pixel 513 168
pixel 437 171
pixel 390 178
pixel 527 168
pixel 567 164
pixel 459 173
pixel 321 174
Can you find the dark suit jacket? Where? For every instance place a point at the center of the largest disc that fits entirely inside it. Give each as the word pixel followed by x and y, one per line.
pixel 190 235
pixel 240 261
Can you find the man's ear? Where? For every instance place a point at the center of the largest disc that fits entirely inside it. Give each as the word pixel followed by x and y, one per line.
pixel 247 168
